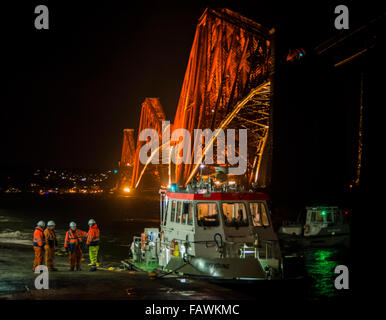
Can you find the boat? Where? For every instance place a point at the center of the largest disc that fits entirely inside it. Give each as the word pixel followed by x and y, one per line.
pixel 220 231
pixel 317 226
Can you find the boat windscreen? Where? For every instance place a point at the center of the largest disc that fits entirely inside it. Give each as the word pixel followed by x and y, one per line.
pixel 207 214
pixel 187 213
pixel 235 214
pixel 325 215
pixel 259 214
pixel 173 211
pixel 178 215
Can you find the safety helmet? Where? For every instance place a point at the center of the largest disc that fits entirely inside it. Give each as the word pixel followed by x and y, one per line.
pixel 50 223
pixel 91 222
pixel 72 224
pixel 41 224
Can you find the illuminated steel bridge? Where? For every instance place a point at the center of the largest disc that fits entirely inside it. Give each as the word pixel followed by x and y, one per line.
pixel 227 85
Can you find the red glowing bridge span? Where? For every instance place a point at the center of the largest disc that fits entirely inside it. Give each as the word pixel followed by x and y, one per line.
pixel 227 85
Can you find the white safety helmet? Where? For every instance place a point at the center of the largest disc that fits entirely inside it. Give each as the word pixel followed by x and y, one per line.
pixel 50 223
pixel 91 222
pixel 72 224
pixel 41 223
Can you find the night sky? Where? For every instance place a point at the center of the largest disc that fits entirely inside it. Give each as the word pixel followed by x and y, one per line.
pixel 68 92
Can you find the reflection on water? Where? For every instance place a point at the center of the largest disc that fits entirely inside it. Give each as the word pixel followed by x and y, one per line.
pixel 320 265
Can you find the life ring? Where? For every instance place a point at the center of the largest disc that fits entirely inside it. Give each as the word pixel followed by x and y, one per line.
pixel 143 241
pixel 307 228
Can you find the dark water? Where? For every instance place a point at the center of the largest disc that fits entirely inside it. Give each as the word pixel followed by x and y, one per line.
pixel 120 219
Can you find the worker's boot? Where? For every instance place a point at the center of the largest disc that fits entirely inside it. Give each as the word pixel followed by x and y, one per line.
pixel 71 269
pixel 93 268
pixel 79 269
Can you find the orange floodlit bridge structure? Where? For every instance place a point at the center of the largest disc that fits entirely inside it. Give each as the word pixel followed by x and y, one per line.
pixel 127 160
pixel 227 85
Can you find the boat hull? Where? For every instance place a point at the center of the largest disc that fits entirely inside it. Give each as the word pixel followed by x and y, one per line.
pixel 222 268
pixel 323 241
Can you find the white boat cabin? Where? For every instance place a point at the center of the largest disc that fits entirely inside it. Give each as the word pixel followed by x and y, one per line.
pixel 217 225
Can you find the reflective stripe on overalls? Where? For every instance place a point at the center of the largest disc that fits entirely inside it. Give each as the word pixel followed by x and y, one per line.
pixel 93 236
pixel 73 239
pixel 38 240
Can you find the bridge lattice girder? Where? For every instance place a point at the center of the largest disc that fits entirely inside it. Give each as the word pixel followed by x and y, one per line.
pixel 226 85
pixel 128 148
pixel 229 57
pixel 253 114
pixel 152 115
pixel 127 158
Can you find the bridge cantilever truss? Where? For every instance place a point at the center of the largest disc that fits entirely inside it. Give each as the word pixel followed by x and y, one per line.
pixel 152 115
pixel 127 159
pixel 226 86
pixel 257 106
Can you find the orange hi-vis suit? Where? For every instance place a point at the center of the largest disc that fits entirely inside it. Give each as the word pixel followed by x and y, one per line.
pixel 93 238
pixel 49 247
pixel 38 243
pixel 72 242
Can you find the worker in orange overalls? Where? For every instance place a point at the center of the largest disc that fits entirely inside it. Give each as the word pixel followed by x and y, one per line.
pixel 50 245
pixel 38 243
pixel 72 242
pixel 93 238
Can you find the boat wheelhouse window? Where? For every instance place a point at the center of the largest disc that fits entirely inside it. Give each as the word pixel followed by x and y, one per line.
pixel 329 216
pixel 235 214
pixel 173 211
pixel 207 214
pixel 178 215
pixel 259 214
pixel 326 216
pixel 190 214
pixel 185 211
pixel 337 217
pixel 317 216
pixel 165 211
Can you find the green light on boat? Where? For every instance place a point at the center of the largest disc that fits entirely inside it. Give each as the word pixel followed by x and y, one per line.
pixel 323 213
